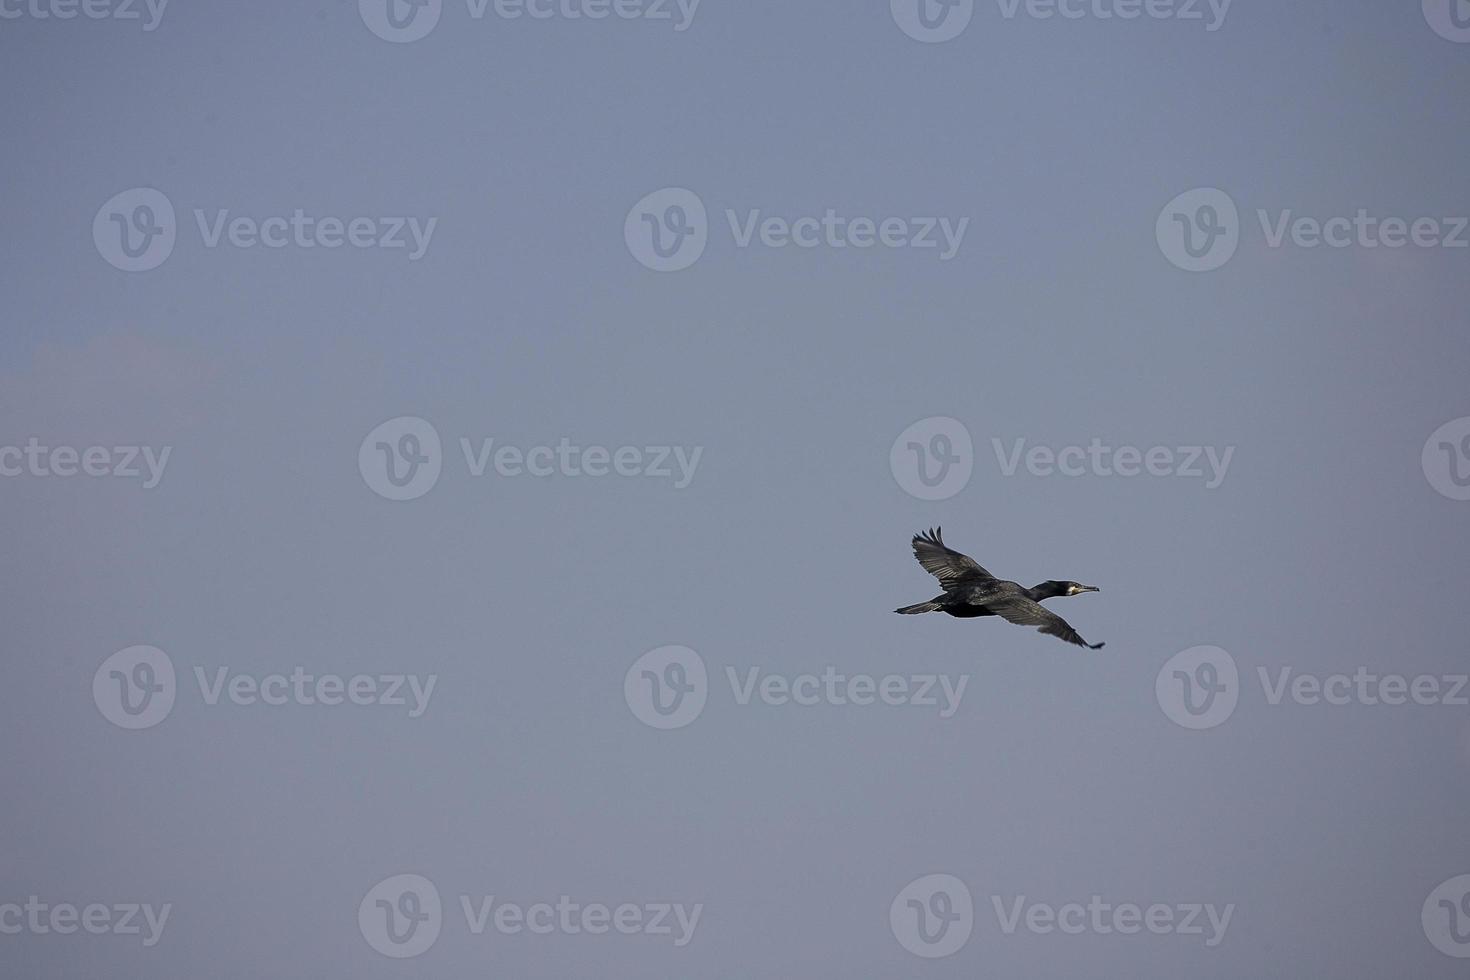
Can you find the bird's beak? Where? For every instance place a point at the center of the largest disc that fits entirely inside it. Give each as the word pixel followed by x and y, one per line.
pixel 1091 588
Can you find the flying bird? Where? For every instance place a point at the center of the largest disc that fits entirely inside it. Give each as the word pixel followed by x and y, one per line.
pixel 970 590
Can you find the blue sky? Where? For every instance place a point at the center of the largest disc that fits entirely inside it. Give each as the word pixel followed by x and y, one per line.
pixel 1332 544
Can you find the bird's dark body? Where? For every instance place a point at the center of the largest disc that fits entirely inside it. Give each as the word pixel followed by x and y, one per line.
pixel 971 592
pixel 961 610
pixel 971 601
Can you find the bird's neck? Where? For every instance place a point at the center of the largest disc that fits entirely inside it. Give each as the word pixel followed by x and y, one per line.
pixel 1046 590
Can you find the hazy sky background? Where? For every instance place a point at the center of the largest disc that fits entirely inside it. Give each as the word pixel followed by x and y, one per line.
pixel 528 320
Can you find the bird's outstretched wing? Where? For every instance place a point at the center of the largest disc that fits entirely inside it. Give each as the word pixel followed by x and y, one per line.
pixel 947 565
pixel 1023 611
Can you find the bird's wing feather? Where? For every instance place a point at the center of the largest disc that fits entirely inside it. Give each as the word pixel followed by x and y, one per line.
pixel 946 564
pixel 1024 611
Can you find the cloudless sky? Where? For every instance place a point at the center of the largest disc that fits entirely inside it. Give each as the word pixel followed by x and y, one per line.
pixel 528 320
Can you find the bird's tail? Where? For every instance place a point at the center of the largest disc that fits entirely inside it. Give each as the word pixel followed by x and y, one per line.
pixel 918 607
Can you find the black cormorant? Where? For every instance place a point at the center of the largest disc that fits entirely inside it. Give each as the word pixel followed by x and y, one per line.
pixel 970 590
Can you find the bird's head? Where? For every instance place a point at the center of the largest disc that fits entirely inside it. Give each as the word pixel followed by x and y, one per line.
pixel 1048 589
